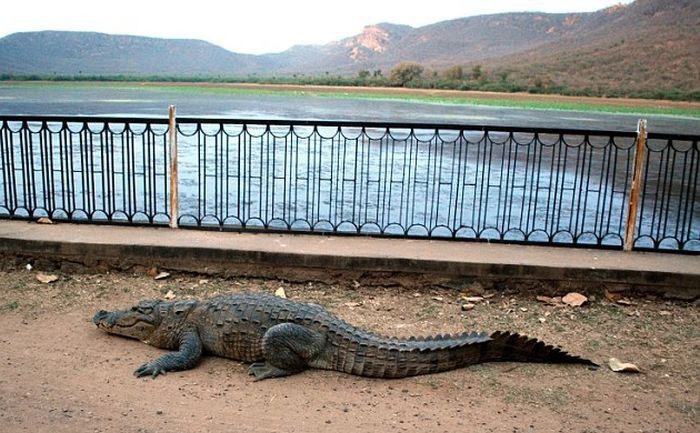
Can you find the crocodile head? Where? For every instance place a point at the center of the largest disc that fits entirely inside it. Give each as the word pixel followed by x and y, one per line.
pixel 140 321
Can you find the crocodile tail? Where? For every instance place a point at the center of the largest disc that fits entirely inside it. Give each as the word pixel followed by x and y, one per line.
pixel 357 352
pixel 508 346
pixel 368 355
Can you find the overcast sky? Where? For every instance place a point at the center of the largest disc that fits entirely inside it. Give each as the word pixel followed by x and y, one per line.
pixel 256 26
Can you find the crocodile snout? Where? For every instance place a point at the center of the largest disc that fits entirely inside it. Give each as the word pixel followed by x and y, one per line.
pixel 104 318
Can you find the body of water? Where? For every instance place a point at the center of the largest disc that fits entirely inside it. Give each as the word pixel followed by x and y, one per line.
pixel 467 184
pixel 131 100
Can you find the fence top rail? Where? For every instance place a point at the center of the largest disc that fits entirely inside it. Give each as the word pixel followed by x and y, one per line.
pixel 344 124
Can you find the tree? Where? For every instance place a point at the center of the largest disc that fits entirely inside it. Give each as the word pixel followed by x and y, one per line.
pixel 363 74
pixel 404 73
pixel 455 73
pixel 477 73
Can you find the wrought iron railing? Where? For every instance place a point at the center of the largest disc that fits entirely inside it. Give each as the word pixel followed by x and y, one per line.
pixel 84 169
pixel 553 186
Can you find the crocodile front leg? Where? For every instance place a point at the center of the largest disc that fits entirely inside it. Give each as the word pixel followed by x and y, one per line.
pixel 288 348
pixel 186 357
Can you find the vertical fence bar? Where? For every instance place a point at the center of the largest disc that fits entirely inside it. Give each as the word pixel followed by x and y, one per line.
pixel 639 151
pixel 174 205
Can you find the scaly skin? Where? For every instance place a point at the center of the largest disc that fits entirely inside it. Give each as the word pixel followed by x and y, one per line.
pixel 281 337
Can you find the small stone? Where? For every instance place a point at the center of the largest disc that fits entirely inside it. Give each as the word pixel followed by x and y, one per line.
pixel 472 299
pixel 159 412
pixel 29 267
pixel 281 293
pixel 542 319
pixel 170 295
pixel 44 220
pixel 523 309
pixel 468 306
pixel 353 304
pixel 664 313
pixel 438 298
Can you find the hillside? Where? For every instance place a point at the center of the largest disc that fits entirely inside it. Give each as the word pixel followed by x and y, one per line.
pixel 460 41
pixel 645 47
pixel 73 53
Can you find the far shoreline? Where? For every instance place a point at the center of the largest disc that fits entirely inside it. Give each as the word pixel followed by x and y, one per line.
pixel 476 97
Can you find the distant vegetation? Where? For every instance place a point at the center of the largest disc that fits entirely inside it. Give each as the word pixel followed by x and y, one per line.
pixel 408 75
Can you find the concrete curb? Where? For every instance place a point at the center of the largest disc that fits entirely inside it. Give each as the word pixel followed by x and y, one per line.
pixel 277 256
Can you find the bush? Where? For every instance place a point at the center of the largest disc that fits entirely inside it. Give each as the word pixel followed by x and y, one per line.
pixel 404 73
pixel 455 73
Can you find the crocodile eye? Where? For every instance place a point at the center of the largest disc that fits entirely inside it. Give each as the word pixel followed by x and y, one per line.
pixel 145 310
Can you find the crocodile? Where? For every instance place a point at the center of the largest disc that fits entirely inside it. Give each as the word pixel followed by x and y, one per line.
pixel 280 337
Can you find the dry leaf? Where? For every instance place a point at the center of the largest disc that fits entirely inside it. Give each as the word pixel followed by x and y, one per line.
pixel 438 298
pixel 612 296
pixel 162 275
pixel 472 299
pixel 624 302
pixel 548 300
pixel 170 295
pixel 281 293
pixel 468 306
pixel 353 304
pixel 574 299
pixel 622 367
pixel 46 278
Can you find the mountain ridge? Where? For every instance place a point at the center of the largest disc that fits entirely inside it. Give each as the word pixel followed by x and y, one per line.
pixel 644 45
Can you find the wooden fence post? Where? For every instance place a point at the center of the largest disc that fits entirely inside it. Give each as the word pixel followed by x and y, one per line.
pixel 639 152
pixel 174 202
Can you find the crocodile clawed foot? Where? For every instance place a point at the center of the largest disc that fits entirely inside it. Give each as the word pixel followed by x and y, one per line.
pixel 263 370
pixel 149 369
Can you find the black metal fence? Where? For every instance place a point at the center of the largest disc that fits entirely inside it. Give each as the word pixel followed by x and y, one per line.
pixel 552 186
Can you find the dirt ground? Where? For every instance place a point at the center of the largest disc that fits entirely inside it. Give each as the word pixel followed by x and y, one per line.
pixel 58 373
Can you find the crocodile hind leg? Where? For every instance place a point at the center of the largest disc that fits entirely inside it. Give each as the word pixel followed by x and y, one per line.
pixel 288 348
